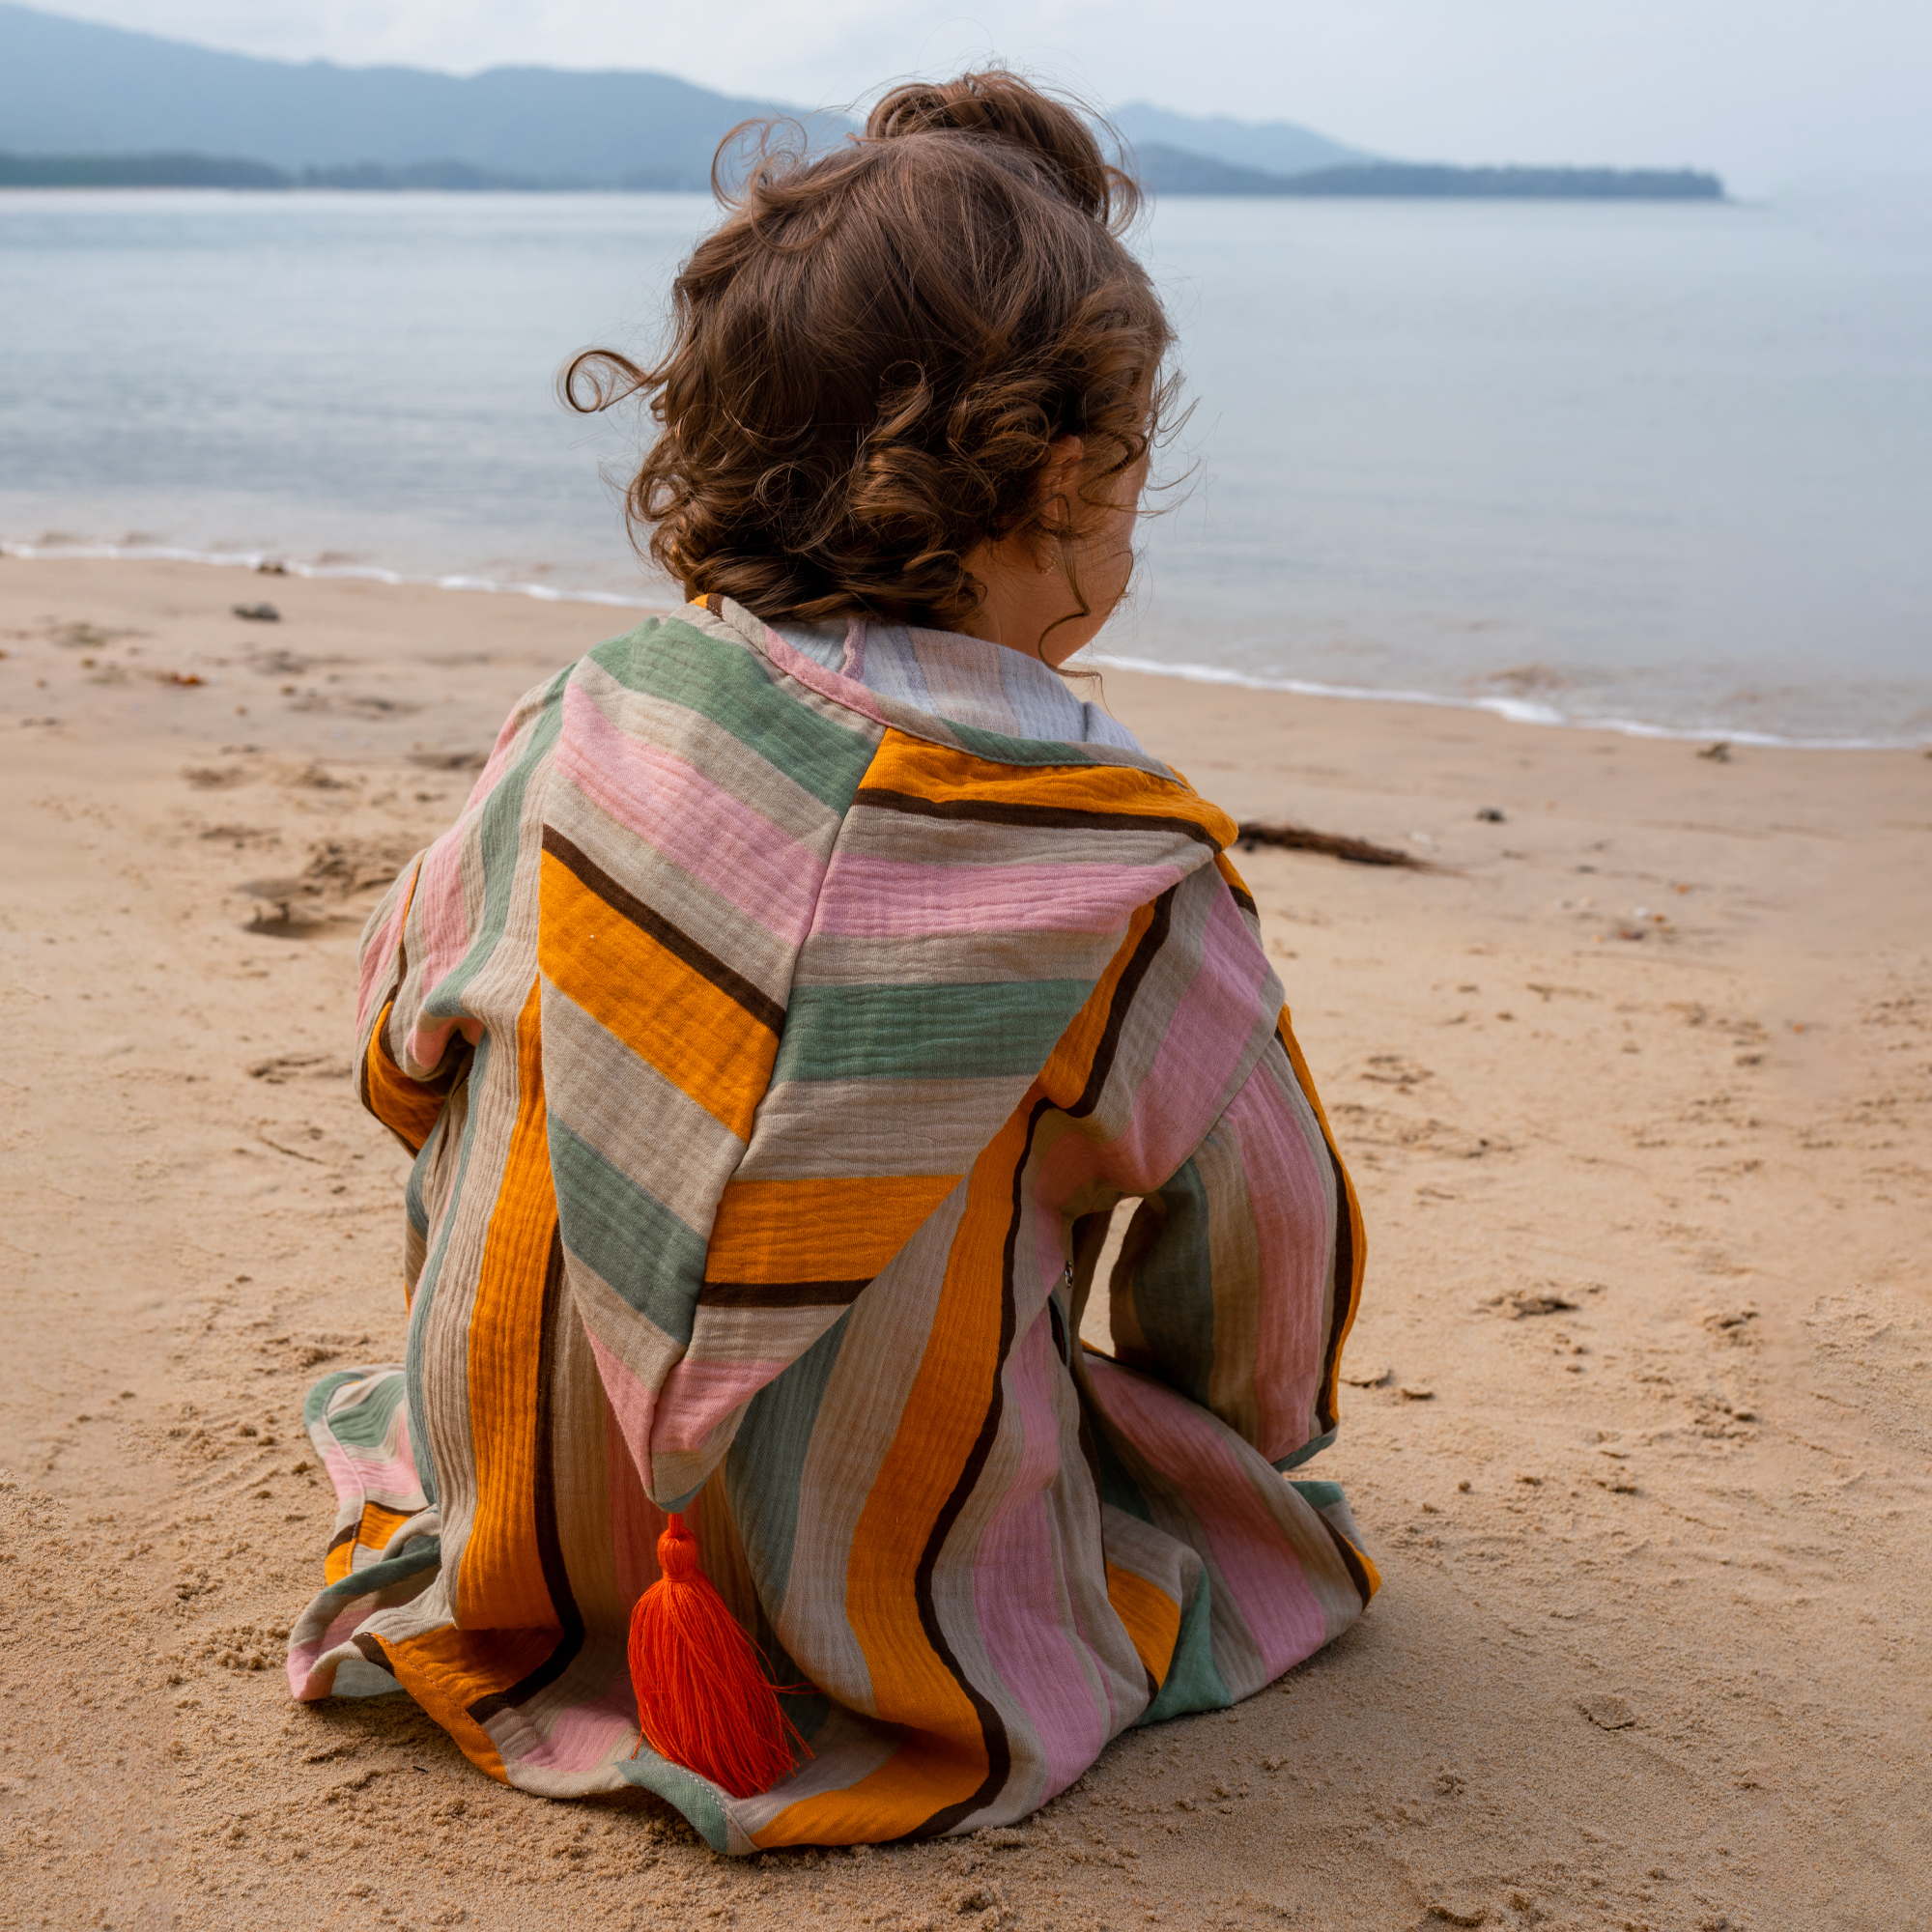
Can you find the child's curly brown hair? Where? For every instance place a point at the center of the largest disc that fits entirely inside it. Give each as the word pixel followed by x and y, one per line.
pixel 872 354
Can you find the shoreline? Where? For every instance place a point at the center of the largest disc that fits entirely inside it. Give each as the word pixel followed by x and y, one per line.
pixel 1635 1086
pixel 1513 710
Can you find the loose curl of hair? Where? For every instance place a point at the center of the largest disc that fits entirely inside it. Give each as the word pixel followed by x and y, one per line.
pixel 872 354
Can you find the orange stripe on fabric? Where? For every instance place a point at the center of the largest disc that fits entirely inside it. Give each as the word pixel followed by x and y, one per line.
pixel 673 1018
pixel 925 1775
pixel 940 773
pixel 1152 1618
pixel 1226 866
pixel 378 1524
pixel 500 1583
pixel 1064 1078
pixel 780 1230
pixel 1368 1563
pixel 1357 1231
pixel 945 1759
pixel 373 1532
pixel 405 1106
pixel 448 1670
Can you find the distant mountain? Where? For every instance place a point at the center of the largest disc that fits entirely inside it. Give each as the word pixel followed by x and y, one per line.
pixel 190 170
pixel 1434 181
pixel 1164 170
pixel 1269 147
pixel 89 107
pixel 67 87
pixel 1174 171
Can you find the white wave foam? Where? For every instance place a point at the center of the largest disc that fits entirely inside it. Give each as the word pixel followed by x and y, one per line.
pixel 367 573
pixel 1518 710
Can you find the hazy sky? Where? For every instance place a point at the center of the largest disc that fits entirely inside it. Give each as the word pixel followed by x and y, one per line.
pixel 1765 90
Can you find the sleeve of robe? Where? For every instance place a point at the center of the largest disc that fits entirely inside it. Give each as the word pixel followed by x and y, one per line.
pixel 439 926
pixel 1242 1268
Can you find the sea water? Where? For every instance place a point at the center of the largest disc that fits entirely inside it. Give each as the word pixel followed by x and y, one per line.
pixel 1658 465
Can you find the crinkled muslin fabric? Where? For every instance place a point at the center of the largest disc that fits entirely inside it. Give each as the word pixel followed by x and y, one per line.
pixel 774 1049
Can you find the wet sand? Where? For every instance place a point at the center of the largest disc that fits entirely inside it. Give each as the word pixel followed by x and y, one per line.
pixel 1637 1089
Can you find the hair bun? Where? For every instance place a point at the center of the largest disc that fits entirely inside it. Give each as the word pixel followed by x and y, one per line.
pixel 1001 106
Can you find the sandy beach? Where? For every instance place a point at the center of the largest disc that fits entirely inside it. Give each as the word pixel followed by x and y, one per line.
pixel 1636 1082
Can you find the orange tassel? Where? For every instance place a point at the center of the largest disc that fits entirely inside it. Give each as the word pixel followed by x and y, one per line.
pixel 704 1699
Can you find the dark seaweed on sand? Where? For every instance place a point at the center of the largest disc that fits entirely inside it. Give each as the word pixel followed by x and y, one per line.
pixel 1253 834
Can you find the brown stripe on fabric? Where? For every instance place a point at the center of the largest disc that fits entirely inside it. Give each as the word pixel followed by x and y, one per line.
pixel 1136 970
pixel 550 1547
pixel 1352 1560
pixel 342 1536
pixel 1059 818
pixel 993 1728
pixel 674 940
pixel 1243 899
pixel 781 1294
pixel 1327 1408
pixel 371 1647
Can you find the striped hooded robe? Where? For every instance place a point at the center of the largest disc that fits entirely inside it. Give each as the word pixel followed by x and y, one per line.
pixel 774 1050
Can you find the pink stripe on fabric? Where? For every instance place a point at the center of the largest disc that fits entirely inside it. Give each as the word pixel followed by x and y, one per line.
pixel 440 912
pixel 500 758
pixel 867 897
pixel 300 1666
pixel 302 1656
pixel 394 1484
pixel 697 1396
pixel 1294 1230
pixel 1254 1556
pixel 1019 1596
pixel 635 1522
pixel 359 1477
pixel 632 1405
pixel 582 1736
pixel 378 957
pixel 709 832
pixel 342 1473
pixel 1207 1033
pixel 827 683
pixel 440 904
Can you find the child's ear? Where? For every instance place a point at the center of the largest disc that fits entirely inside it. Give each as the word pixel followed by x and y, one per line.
pixel 1055 487
pixel 1063 458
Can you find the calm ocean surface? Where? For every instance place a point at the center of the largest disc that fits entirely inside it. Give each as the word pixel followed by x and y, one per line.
pixel 1661 464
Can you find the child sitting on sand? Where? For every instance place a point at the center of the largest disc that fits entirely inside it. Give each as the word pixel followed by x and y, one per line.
pixel 807 979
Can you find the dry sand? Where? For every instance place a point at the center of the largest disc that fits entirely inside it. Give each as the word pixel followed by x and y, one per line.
pixel 1647 1193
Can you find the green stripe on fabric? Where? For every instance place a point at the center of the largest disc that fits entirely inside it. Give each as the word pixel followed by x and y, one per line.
pixel 315 1403
pixel 930 1033
pixel 1116 1486
pixel 424 1552
pixel 1192 1681
pixel 702 1807
pixel 764 1470
pixel 497 825
pixel 413 1204
pixel 729 684
pixel 644 1250
pixel 1172 1287
pixel 365 1424
pixel 1294 1460
pixel 996 748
